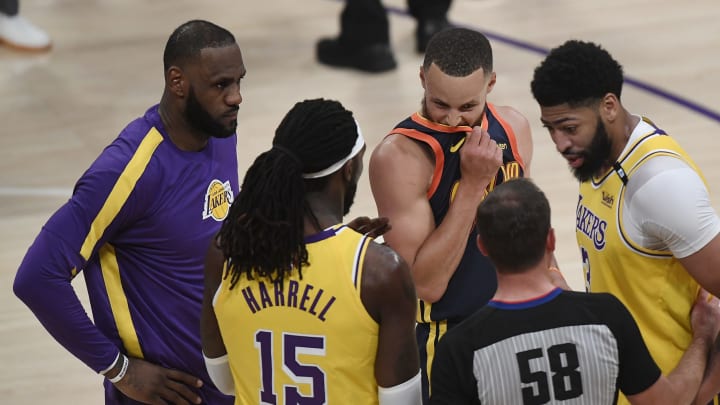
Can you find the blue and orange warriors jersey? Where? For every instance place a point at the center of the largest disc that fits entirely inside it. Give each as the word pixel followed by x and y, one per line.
pixel 474 282
pixel 309 339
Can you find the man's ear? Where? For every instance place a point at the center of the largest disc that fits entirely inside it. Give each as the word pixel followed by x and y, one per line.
pixel 175 81
pixel 610 107
pixel 550 242
pixel 422 77
pixel 491 82
pixel 480 245
pixel 348 170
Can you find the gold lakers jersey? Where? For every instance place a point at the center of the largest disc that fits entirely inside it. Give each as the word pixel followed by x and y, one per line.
pixel 309 340
pixel 652 284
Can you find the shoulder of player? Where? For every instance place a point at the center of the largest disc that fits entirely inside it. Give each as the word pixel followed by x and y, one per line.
pixel 384 268
pixel 115 158
pixel 397 147
pixel 603 304
pixel 672 168
pixel 139 138
pixel 382 259
pixel 387 283
pixel 521 128
pixel 515 118
pixel 397 154
pixel 509 113
pixel 590 297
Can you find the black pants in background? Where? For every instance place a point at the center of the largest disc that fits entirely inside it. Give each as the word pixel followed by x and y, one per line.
pixel 9 7
pixel 365 22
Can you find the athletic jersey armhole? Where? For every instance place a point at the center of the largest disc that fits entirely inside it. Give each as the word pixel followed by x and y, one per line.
pixel 359 262
pixel 437 152
pixel 510 134
pixel 363 317
pixel 682 234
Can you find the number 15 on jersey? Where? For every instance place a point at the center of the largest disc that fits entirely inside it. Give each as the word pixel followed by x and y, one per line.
pixel 302 375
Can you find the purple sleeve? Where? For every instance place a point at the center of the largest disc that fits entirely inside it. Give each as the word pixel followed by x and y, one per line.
pixel 43 284
pixel 43 281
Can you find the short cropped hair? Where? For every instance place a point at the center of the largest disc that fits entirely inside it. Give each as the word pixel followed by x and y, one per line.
pixel 186 42
pixel 458 52
pixel 513 224
pixel 577 73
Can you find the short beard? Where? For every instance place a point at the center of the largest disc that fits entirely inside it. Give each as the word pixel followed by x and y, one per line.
pixel 349 197
pixel 596 156
pixel 200 119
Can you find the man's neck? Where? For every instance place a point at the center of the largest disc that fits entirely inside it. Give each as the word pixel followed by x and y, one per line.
pixel 179 130
pixel 523 286
pixel 626 125
pixel 323 211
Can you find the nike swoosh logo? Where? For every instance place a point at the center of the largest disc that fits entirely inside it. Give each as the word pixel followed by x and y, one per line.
pixel 454 148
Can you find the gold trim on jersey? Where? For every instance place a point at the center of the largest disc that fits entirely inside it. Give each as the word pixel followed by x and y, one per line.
pixel 652 284
pixel 121 190
pixel 638 154
pixel 423 312
pixel 268 327
pixel 357 272
pixel 437 331
pixel 118 301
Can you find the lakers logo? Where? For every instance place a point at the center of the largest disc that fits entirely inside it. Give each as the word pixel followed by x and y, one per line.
pixel 218 198
pixel 591 225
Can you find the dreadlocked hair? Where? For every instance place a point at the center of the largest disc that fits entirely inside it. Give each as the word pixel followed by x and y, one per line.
pixel 263 234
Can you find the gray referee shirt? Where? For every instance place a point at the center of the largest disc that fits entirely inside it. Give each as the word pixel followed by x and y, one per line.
pixel 564 347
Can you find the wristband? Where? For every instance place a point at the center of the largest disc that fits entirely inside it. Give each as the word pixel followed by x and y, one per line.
pixel 123 370
pixel 112 365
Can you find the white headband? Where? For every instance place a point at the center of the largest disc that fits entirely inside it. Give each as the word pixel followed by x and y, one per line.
pixel 359 143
